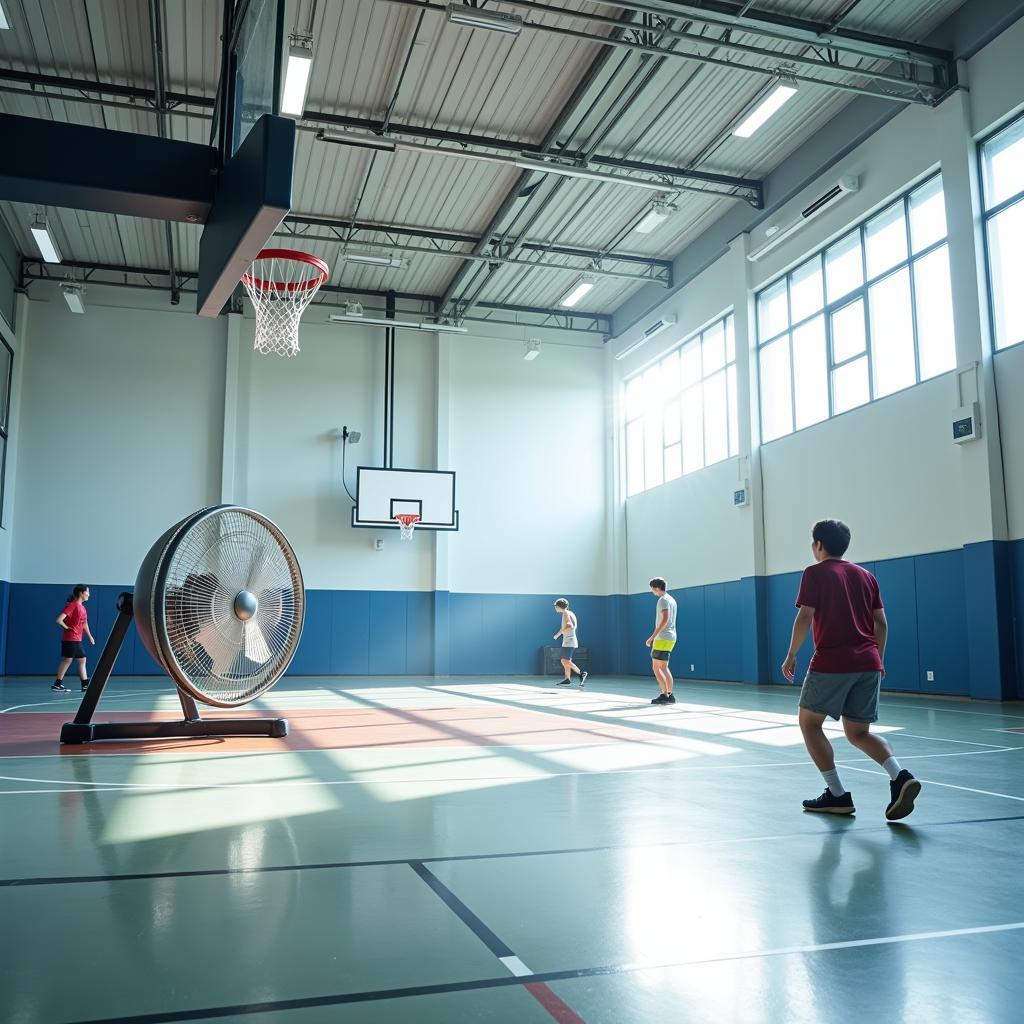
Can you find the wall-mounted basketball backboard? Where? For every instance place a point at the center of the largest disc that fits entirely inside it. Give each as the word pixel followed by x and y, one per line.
pixel 382 494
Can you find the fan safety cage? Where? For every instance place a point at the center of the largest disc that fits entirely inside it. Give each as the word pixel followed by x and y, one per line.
pixel 226 604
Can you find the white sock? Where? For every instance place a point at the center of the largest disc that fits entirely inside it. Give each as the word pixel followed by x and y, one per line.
pixel 892 767
pixel 835 787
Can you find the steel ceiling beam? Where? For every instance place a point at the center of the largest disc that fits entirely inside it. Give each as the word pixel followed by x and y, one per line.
pixel 661 276
pixel 791 28
pixel 437 234
pixel 35 269
pixel 731 187
pixel 918 94
pixel 938 68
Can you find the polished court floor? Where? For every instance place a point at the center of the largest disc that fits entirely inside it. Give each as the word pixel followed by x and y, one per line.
pixel 447 850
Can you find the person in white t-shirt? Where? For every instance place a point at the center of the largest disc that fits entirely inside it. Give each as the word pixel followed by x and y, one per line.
pixel 663 639
pixel 569 643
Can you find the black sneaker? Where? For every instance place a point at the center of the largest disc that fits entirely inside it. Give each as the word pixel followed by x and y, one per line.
pixel 583 679
pixel 564 682
pixel 59 688
pixel 829 803
pixel 670 699
pixel 85 686
pixel 662 698
pixel 904 789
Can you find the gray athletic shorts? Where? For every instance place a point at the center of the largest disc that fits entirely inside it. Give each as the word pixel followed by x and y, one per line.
pixel 852 695
pixel 568 652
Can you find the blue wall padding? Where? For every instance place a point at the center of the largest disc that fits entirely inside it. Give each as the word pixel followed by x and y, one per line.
pixel 897 580
pixel 942 622
pixel 959 614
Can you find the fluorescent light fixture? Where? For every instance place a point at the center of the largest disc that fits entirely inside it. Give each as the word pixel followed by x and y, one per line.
pixel 577 291
pixel 784 90
pixel 370 259
pixel 4 23
pixel 532 349
pixel 477 17
pixel 659 212
pixel 74 296
pixel 296 76
pixel 348 318
pixel 524 163
pixel 44 240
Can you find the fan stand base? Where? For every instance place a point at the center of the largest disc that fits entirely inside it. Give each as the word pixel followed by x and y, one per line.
pixel 84 730
pixel 73 732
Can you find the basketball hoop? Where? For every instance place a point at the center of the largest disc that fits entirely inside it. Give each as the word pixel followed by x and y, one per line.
pixel 281 284
pixel 407 521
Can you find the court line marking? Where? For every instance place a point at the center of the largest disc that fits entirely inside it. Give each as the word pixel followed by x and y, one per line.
pixel 556 1007
pixel 542 977
pixel 158 787
pixel 515 966
pixel 61 700
pixel 945 785
pixel 888 829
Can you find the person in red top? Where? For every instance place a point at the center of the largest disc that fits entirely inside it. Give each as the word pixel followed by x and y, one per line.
pixel 74 621
pixel 843 604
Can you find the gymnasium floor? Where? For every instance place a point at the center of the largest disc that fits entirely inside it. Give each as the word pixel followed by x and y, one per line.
pixel 454 850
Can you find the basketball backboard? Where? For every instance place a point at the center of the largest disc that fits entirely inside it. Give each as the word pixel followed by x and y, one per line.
pixel 381 494
pixel 255 147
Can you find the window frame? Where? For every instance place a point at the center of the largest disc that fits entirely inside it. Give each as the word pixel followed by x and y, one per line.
pixel 987 216
pixel 726 323
pixel 829 308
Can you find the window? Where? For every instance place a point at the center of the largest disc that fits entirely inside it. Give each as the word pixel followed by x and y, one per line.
pixel 681 413
pixel 6 375
pixel 866 317
pixel 1002 177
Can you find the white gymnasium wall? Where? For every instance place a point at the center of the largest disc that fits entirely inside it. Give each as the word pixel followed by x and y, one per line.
pixel 528 443
pixel 888 469
pixel 688 532
pixel 290 465
pixel 119 434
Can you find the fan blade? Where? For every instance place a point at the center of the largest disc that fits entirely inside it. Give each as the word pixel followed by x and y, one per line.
pixel 222 650
pixel 254 643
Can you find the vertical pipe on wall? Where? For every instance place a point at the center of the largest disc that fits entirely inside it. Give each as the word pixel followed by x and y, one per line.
pixel 389 385
pixel 229 447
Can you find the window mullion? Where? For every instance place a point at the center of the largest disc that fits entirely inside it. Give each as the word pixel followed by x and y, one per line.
pixel 913 290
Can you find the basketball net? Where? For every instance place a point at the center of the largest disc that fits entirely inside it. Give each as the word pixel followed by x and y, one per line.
pixel 407 522
pixel 281 283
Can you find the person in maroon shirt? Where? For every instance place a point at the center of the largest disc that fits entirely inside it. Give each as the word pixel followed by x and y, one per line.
pixel 74 622
pixel 843 604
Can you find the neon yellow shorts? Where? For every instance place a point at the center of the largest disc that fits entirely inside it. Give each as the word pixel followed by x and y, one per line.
pixel 663 645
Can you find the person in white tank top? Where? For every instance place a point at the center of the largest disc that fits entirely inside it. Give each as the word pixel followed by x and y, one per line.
pixel 569 643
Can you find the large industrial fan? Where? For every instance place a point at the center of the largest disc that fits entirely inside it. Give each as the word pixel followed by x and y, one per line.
pixel 219 603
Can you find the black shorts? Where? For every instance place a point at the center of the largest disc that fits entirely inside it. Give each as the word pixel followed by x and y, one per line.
pixel 72 649
pixel 661 656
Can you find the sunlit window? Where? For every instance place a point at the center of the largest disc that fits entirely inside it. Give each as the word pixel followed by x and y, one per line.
pixel 866 317
pixel 681 413
pixel 1002 175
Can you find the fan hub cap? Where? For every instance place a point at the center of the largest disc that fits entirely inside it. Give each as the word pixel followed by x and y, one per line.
pixel 246 605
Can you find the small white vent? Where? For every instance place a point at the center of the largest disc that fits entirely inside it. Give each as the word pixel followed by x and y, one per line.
pixel 776 236
pixel 668 320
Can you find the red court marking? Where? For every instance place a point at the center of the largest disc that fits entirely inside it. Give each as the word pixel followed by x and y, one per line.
pixel 559 1010
pixel 32 733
